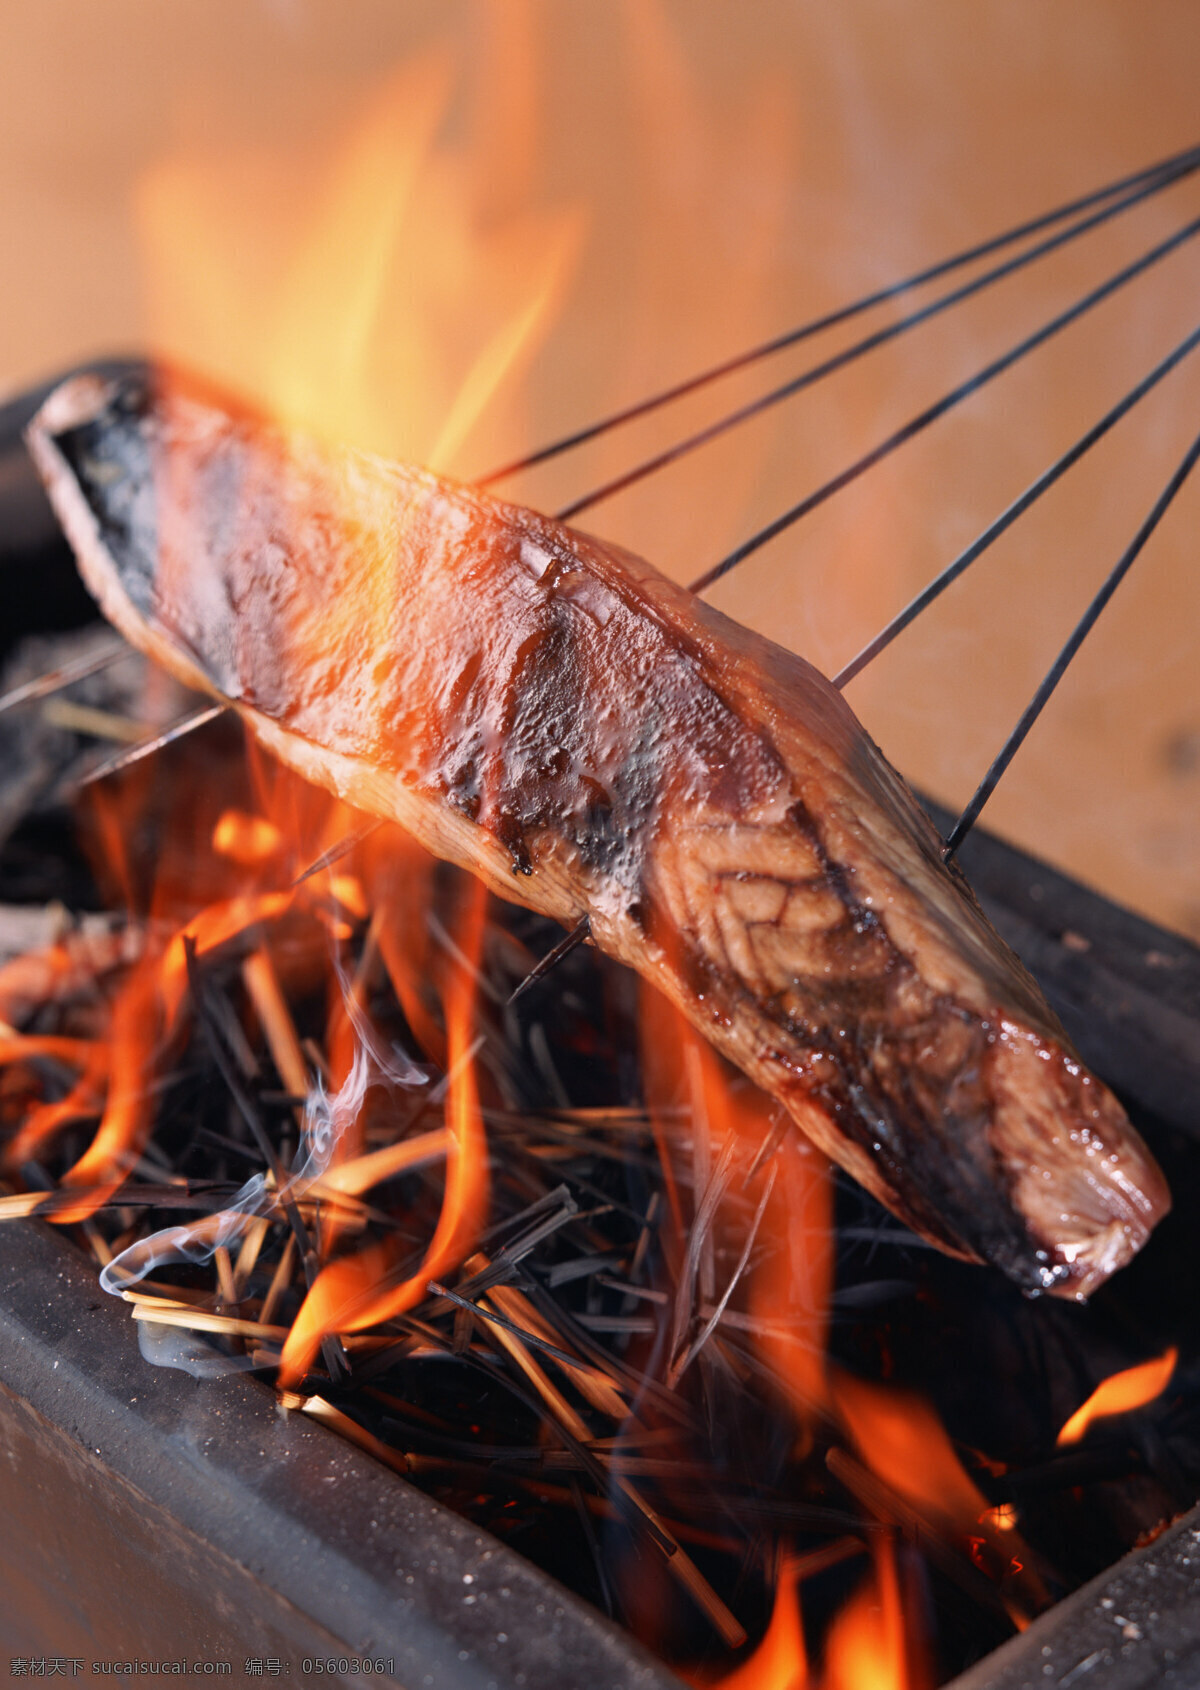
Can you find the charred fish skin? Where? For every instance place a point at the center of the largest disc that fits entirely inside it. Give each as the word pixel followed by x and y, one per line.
pixel 559 718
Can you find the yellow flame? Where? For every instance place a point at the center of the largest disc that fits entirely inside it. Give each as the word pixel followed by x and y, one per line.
pixel 352 1293
pixel 375 296
pixel 779 1662
pixel 246 839
pixel 867 1648
pixel 1132 1388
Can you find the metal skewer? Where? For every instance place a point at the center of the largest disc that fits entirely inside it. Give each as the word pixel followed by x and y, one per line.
pixel 1154 176
pixel 1058 669
pixel 573 939
pixel 1007 517
pixel 185 725
pixel 849 355
pixel 932 413
pixel 1143 183
pixel 341 848
pixel 42 686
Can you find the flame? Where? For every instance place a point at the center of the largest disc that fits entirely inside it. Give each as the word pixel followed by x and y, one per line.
pixel 209 929
pixel 392 311
pixel 903 1443
pixel 1120 1392
pixel 110 856
pixel 362 1172
pixel 128 1110
pixel 353 1292
pixel 789 1294
pixel 15 1046
pixel 147 1008
pixel 868 1647
pixel 1002 1518
pixel 788 1291
pixel 385 294
pixel 347 889
pixel 399 880
pixel 779 1662
pixel 246 839
pixel 902 1440
pixel 45 1122
pixel 308 818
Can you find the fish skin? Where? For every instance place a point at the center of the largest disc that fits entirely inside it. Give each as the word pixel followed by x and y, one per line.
pixel 556 716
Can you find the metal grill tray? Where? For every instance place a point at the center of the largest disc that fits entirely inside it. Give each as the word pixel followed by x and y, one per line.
pixel 151 1516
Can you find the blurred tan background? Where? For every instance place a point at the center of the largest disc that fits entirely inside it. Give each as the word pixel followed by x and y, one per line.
pixel 458 228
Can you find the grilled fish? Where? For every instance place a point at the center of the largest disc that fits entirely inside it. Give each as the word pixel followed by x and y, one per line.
pixel 556 716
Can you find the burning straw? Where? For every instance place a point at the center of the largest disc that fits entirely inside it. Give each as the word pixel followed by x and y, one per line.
pixel 308 1129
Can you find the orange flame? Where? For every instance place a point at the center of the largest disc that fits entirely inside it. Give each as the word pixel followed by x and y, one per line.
pixel 353 1293
pixel 16 1046
pixel 404 285
pixel 902 1440
pixel 789 1295
pixel 903 1443
pixel 868 1647
pixel 779 1662
pixel 1132 1388
pixel 129 1111
pixel 245 839
pixel 46 1121
pixel 399 878
pixel 146 1008
pixel 210 928
pixel 788 1292
pixel 909 1465
pixel 110 855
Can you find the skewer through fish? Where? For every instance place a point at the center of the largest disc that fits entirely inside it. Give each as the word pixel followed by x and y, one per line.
pixel 588 738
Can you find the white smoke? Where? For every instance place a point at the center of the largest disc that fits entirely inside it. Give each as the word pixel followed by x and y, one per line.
pixel 327 1116
pixel 196 1241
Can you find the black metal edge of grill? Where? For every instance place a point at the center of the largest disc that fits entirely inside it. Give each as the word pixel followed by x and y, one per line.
pixel 1126 990
pixel 1135 1627
pixel 153 1516
pixel 158 1516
